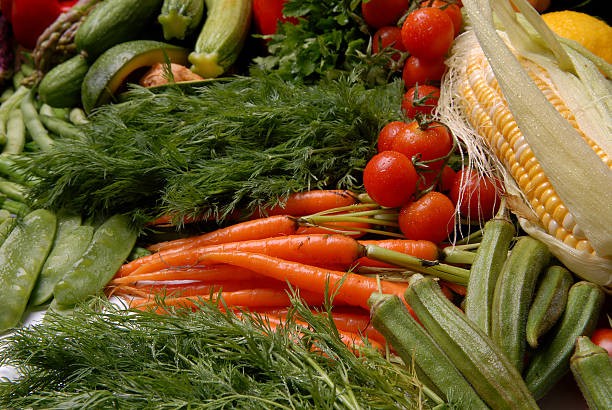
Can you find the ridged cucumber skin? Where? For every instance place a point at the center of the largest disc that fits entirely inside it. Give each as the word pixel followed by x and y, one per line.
pixel 591 366
pixel 513 295
pixel 488 262
pixel 180 18
pixel 548 303
pixel 114 22
pixel 222 36
pixel 472 351
pixel 61 86
pixel 414 345
pixel 551 361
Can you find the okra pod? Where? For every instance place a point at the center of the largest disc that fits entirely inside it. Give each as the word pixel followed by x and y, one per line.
pixel 549 302
pixel 551 361
pixel 471 350
pixel 513 295
pixel 592 369
pixel 414 345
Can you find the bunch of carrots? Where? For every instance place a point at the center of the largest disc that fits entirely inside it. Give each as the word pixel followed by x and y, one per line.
pixel 256 265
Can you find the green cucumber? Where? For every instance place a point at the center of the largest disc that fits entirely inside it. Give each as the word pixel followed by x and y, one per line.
pixel 513 295
pixel 222 36
pixel 551 361
pixel 61 86
pixel 471 350
pixel 549 303
pixel 112 68
pixel 180 18
pixel 114 22
pixel 592 369
pixel 490 257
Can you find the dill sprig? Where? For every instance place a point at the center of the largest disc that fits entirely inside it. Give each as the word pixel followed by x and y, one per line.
pixel 232 145
pixel 207 359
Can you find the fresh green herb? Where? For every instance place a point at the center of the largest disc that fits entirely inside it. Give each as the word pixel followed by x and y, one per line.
pixel 233 145
pixel 206 359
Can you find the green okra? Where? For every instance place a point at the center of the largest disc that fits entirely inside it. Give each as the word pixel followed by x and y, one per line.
pixel 591 366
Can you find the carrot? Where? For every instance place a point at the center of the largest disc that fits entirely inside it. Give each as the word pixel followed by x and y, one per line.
pixel 219 272
pixel 420 248
pixel 458 289
pixel 310 202
pixel 319 250
pixel 355 289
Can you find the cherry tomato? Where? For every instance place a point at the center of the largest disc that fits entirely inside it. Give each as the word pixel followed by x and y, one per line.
pixel 428 33
pixel 477 195
pixel 390 178
pixel 427 179
pixel 602 337
pixel 420 99
pixel 422 71
pixel 379 13
pixel 450 8
pixel 388 134
pixel 30 18
pixel 388 36
pixel 431 217
pixel 267 13
pixel 430 143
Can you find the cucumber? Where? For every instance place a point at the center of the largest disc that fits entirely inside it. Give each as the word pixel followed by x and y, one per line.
pixel 111 69
pixel 552 360
pixel 114 22
pixel 180 18
pixel 472 351
pixel 222 36
pixel 592 369
pixel 61 87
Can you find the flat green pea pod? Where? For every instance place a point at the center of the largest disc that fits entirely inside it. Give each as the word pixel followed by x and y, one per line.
pixel 591 366
pixel 21 257
pixel 111 244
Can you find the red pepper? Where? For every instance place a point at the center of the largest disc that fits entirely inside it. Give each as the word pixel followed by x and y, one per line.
pixel 266 14
pixel 31 17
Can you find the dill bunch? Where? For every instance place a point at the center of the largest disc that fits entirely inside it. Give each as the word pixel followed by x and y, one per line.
pixel 207 359
pixel 233 144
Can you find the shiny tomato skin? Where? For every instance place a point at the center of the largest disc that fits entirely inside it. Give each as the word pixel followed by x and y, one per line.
pixel 30 18
pixel 428 33
pixel 430 143
pixel 388 134
pixel 602 337
pixel 390 179
pixel 450 8
pixel 388 36
pixel 379 13
pixel 427 179
pixel 267 13
pixel 422 71
pixel 420 99
pixel 431 217
pixel 479 198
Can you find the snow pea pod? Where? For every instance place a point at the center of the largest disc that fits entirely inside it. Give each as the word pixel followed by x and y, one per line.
pixel 111 244
pixel 21 257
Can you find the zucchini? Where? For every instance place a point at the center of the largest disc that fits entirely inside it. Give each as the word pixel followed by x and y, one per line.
pixel 592 369
pixel 472 351
pixel 180 18
pixel 112 68
pixel 513 295
pixel 114 22
pixel 551 361
pixel 222 36
pixel 61 86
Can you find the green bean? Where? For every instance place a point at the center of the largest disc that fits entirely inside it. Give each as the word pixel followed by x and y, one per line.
pixel 77 116
pixel 6 94
pixel 61 113
pixel 111 244
pixel 10 171
pixel 17 79
pixel 4 215
pixel 21 257
pixel 15 207
pixel 61 127
pixel 15 133
pixel 12 190
pixel 33 124
pixel 46 109
pixel 8 106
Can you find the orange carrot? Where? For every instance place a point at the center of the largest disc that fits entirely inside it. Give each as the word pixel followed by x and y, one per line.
pixel 310 202
pixel 458 289
pixel 355 289
pixel 219 272
pixel 420 248
pixel 320 250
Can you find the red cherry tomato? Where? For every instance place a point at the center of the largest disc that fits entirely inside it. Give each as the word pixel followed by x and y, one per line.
pixel 427 179
pixel 390 178
pixel 450 8
pixel 431 217
pixel 428 33
pixel 603 338
pixel 30 18
pixel 420 99
pixel 379 13
pixel 267 13
pixel 388 36
pixel 477 195
pixel 421 71
pixel 388 134
pixel 430 143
